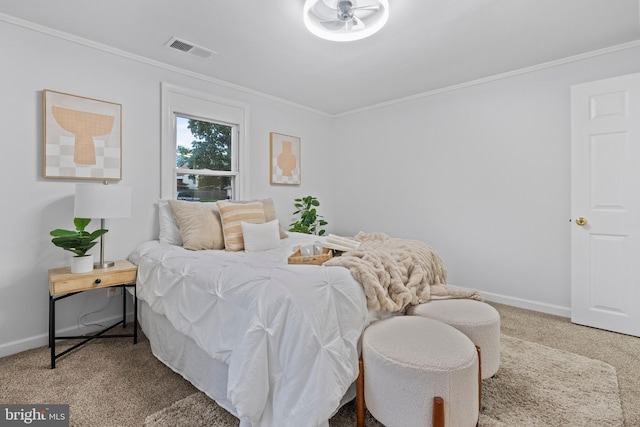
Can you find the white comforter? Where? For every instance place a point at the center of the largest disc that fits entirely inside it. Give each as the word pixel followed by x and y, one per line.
pixel 289 333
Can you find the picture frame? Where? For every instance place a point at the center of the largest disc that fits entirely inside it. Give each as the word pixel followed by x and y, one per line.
pixel 284 159
pixel 82 137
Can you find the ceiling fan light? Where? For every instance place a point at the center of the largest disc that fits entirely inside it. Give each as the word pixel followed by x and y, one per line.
pixel 315 21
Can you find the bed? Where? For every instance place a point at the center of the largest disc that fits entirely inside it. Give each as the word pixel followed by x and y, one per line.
pixel 274 344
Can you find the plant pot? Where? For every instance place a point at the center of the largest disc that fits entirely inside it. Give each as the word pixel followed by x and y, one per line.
pixel 82 264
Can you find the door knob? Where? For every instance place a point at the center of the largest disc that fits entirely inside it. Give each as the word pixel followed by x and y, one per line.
pixel 581 221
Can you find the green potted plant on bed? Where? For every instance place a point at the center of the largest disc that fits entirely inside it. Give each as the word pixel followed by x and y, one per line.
pixel 78 241
pixel 310 221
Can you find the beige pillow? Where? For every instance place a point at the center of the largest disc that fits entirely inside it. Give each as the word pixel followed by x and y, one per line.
pixel 232 214
pixel 199 224
pixel 270 215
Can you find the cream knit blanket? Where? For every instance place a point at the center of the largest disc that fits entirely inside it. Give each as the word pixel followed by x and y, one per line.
pixel 396 273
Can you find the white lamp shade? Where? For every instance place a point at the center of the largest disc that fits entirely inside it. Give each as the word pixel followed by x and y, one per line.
pixel 102 201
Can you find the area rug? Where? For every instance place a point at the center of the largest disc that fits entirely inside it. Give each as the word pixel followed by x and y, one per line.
pixel 535 386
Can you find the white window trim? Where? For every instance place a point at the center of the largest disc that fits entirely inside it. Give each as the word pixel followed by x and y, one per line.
pixel 176 100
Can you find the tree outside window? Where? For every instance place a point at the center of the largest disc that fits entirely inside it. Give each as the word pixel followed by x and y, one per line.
pixel 204 160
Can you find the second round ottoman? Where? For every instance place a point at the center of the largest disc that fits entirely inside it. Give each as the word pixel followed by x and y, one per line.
pixel 476 319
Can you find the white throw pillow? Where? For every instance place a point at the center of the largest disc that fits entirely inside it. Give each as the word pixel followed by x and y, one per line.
pixel 169 231
pixel 260 237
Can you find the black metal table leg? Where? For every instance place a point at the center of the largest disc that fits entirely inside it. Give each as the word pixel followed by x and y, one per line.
pixel 124 307
pixel 135 314
pixel 100 334
pixel 52 330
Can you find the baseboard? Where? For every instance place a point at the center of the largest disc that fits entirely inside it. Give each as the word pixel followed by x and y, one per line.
pixel 528 304
pixel 43 339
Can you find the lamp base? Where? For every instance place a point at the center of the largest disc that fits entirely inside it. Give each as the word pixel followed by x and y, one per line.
pixel 104 264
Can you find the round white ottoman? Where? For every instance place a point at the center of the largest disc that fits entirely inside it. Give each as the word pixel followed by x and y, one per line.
pixel 476 319
pixel 410 360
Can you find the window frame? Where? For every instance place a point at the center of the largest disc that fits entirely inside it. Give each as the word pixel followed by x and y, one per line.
pixel 189 103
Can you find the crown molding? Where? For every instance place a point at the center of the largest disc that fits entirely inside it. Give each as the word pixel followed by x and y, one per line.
pixel 162 65
pixel 501 76
pixel 151 62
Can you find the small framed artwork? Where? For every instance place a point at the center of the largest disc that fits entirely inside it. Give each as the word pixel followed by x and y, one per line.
pixel 284 165
pixel 82 137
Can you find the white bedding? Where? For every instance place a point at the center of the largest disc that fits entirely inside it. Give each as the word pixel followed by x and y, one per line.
pixel 289 333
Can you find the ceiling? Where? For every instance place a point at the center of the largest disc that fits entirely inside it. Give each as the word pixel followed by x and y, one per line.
pixel 264 46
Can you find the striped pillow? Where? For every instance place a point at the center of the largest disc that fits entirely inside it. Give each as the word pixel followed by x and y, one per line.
pixel 232 214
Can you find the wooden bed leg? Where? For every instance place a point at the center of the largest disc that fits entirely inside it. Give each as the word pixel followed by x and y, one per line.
pixel 360 404
pixel 438 412
pixel 479 378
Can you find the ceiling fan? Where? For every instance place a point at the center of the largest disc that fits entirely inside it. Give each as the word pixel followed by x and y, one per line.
pixel 345 20
pixel 346 15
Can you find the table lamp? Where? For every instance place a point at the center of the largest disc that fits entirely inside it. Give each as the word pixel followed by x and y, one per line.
pixel 102 201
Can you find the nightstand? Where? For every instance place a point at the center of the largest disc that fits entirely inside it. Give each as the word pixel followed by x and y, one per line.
pixel 63 284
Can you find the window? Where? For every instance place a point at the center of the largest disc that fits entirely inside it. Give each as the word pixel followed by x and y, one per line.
pixel 202 146
pixel 205 160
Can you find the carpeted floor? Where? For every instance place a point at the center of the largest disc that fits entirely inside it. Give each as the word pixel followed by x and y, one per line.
pixel 536 386
pixel 114 383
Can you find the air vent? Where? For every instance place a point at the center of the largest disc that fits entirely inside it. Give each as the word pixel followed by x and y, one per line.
pixel 190 48
pixel 180 45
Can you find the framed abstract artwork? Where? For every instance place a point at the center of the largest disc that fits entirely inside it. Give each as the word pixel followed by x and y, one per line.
pixel 284 159
pixel 82 137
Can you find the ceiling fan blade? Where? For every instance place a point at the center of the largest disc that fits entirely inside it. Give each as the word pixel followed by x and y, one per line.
pixel 324 10
pixel 355 23
pixel 336 24
pixel 371 7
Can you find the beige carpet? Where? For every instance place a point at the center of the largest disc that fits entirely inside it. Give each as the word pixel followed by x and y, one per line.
pixel 536 386
pixel 114 383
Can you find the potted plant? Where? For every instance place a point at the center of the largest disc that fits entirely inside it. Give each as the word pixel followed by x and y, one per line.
pixel 79 242
pixel 309 222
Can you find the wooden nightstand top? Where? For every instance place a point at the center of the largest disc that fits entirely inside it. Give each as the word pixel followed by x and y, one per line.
pixel 62 281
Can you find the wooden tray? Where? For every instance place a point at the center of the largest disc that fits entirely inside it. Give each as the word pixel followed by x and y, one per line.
pixel 296 258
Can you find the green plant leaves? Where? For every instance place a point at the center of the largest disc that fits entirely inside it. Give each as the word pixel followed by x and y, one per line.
pixel 310 220
pixel 79 241
pixel 81 223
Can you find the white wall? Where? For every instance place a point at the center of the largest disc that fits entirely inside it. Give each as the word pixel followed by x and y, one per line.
pixel 481 173
pixel 32 205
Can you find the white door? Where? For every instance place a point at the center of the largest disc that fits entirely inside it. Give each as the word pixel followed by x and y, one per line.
pixel 605 204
